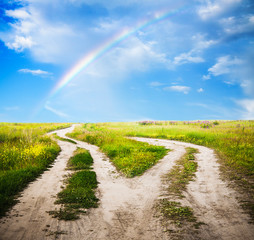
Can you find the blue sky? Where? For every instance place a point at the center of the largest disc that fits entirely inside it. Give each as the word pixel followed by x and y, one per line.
pixel 189 60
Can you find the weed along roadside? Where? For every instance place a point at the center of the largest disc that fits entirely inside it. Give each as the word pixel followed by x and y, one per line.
pixel 29 218
pixel 25 152
pixel 79 192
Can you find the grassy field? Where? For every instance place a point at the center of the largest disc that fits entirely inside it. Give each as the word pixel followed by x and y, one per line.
pixel 233 141
pixel 130 157
pixel 25 152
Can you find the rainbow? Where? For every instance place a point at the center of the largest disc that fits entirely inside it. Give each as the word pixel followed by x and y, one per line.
pixel 96 53
pixel 105 47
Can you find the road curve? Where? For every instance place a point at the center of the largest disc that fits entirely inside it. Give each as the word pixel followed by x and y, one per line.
pixel 213 202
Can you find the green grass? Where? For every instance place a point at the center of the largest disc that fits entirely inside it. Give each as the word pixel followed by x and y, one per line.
pixel 176 213
pixel 79 192
pixel 130 157
pixel 24 154
pixel 233 142
pixel 81 160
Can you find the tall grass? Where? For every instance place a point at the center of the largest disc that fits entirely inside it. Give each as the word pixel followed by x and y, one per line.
pixel 24 154
pixel 130 157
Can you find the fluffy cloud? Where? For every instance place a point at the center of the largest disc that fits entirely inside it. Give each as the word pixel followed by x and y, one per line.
pixel 200 44
pixel 49 39
pixel 237 26
pixel 34 72
pixel 215 8
pixel 224 65
pixel 187 58
pixel 236 71
pixel 63 38
pixel 18 13
pixel 20 43
pixel 183 89
pixel 132 56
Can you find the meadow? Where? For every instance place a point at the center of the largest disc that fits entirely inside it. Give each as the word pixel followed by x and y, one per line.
pixel 233 142
pixel 25 152
pixel 130 157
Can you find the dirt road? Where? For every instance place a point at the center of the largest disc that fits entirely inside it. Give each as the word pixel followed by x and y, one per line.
pixel 126 205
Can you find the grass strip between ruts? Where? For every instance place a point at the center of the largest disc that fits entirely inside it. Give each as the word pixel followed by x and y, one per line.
pixel 177 180
pixel 79 193
pixel 130 157
pixel 63 139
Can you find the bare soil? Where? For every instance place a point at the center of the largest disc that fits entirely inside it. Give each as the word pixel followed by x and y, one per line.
pixel 126 209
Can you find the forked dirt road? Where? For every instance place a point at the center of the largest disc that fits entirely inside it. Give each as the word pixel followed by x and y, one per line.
pixel 126 205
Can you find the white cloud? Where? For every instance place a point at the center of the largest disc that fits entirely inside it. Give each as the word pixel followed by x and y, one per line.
pixel 200 90
pixel 183 89
pixel 62 39
pixel 239 25
pixel 47 38
pixel 20 43
pixel 18 13
pixel 34 72
pixel 187 58
pixel 248 108
pixel 200 43
pixel 236 71
pixel 215 8
pixel 57 112
pixel 132 55
pixel 224 65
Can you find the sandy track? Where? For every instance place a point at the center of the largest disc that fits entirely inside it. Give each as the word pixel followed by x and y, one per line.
pixel 212 201
pixel 126 205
